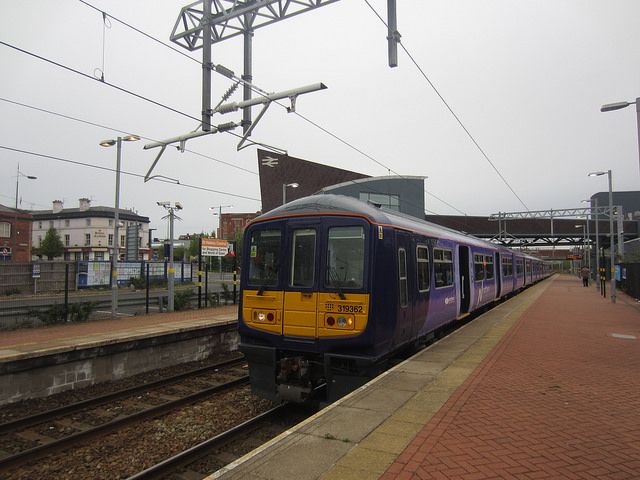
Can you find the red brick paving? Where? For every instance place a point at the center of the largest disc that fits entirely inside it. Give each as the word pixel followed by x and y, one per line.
pixel 558 398
pixel 79 330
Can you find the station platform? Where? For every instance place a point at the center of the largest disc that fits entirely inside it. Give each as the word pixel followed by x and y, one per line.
pixel 545 385
pixel 37 362
pixel 32 342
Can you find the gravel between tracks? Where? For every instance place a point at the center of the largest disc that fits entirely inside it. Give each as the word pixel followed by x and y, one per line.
pixel 124 453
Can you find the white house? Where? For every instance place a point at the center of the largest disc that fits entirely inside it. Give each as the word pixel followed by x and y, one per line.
pixel 87 232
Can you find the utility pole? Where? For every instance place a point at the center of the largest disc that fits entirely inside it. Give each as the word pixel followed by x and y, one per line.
pixel 171 271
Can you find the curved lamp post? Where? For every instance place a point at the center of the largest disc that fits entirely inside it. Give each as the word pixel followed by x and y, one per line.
pixel 116 220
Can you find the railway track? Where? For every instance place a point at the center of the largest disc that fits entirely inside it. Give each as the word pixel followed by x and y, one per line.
pixel 222 449
pixel 30 438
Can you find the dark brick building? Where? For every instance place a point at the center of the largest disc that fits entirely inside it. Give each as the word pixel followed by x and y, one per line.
pixel 15 235
pixel 233 224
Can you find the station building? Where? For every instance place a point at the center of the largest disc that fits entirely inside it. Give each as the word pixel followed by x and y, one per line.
pixel 87 232
pixel 15 235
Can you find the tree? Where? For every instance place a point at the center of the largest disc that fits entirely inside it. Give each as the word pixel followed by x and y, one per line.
pixel 52 245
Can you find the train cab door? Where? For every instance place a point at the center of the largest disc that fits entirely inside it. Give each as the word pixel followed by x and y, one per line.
pixel 464 280
pixel 405 288
pixel 301 291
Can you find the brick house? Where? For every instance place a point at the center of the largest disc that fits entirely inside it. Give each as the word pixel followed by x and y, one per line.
pixel 15 235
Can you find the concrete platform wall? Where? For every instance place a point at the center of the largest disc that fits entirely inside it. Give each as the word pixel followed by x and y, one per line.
pixel 41 376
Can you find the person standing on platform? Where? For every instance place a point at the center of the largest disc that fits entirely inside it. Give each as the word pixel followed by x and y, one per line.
pixel 584 273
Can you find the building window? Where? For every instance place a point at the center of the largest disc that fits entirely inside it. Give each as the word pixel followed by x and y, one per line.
pixel 40 225
pixel 85 255
pixel 88 222
pixel 98 256
pixel 121 240
pixel 391 202
pixel 110 222
pixel 111 239
pixel 77 256
pixel 50 223
pixel 5 230
pixel 67 256
pixel 87 239
pixel 66 223
pixel 67 240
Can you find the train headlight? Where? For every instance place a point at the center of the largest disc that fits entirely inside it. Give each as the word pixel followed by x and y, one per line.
pixel 262 316
pixel 342 322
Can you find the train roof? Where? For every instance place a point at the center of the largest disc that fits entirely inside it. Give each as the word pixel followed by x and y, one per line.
pixel 329 204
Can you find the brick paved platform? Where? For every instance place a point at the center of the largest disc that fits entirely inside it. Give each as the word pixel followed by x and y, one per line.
pixel 559 397
pixel 546 385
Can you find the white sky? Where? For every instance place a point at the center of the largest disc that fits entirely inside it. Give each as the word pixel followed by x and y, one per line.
pixel 526 78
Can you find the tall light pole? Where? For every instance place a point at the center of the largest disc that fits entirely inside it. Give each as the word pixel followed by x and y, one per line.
pixel 116 218
pixel 584 242
pixel 217 210
pixel 171 271
pixel 284 190
pixel 15 216
pixel 219 232
pixel 617 106
pixel 18 175
pixel 611 237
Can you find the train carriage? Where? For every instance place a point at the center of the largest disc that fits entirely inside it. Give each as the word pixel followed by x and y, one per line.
pixel 333 286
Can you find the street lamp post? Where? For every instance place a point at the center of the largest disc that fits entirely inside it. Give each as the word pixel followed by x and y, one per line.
pixel 18 175
pixel 171 271
pixel 219 231
pixel 584 244
pixel 15 221
pixel 284 190
pixel 617 106
pixel 611 237
pixel 116 218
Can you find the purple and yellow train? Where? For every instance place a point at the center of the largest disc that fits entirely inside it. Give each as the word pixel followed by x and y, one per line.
pixel 332 287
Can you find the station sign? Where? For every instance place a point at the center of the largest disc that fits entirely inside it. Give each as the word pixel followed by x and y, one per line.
pixel 213 247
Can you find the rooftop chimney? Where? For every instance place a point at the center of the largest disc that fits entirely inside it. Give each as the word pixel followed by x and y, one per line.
pixel 85 203
pixel 57 206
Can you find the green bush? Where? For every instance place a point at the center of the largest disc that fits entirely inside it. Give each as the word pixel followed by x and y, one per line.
pixel 138 283
pixel 55 314
pixel 226 293
pixel 182 299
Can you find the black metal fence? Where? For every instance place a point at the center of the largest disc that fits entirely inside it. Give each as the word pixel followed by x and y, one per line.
pixel 59 292
pixel 630 279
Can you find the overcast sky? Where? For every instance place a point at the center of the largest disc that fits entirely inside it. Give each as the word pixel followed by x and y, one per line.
pixel 526 78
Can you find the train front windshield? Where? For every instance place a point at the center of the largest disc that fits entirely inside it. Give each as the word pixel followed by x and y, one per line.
pixel 265 262
pixel 345 257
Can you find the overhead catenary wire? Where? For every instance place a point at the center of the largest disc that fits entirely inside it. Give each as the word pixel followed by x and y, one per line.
pixel 453 113
pixel 142 97
pixel 131 174
pixel 113 129
pixel 261 92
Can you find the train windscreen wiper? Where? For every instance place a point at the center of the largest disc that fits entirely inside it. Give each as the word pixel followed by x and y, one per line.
pixel 336 282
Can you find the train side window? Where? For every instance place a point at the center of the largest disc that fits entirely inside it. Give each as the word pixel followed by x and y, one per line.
pixel 443 267
pixel 478 267
pixel 422 257
pixel 488 259
pixel 303 258
pixel 345 258
pixel 507 267
pixel 402 274
pixel 264 263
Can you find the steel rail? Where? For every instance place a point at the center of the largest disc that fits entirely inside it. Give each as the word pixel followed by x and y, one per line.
pixel 41 417
pixel 194 453
pixel 47 448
